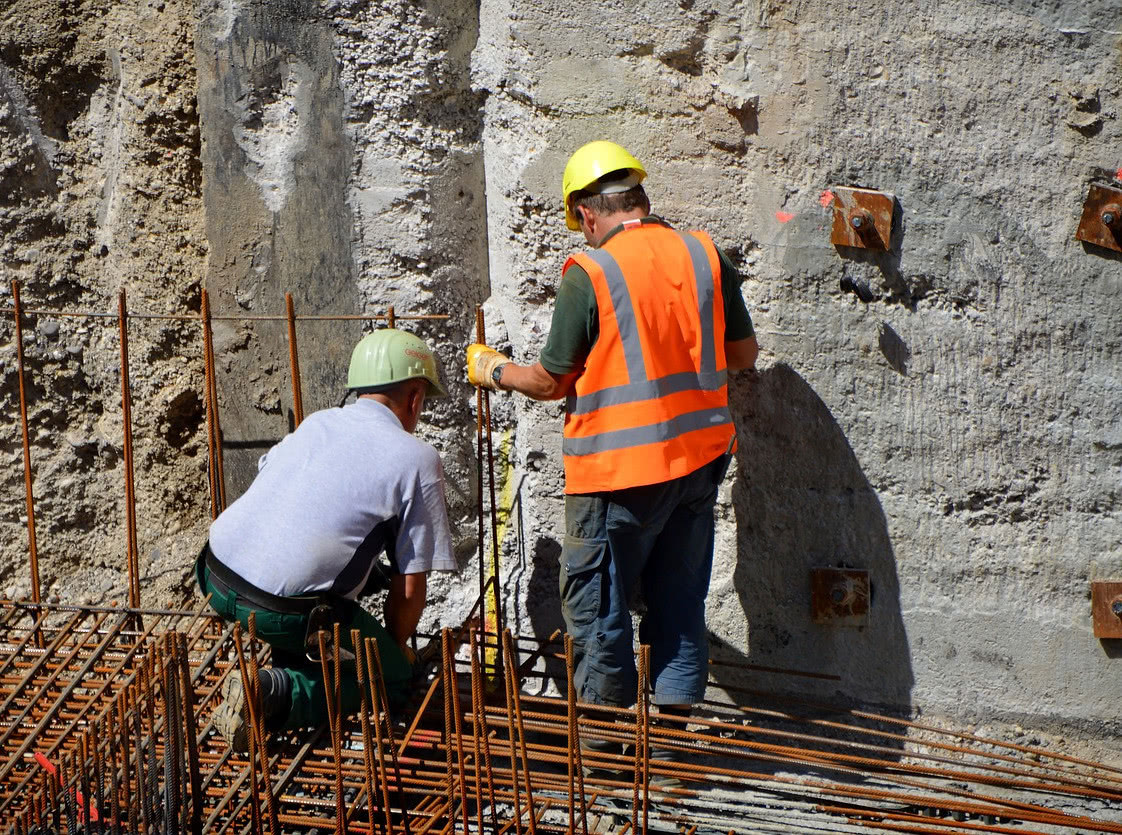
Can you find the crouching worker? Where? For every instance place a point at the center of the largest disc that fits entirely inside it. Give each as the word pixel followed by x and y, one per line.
pixel 304 541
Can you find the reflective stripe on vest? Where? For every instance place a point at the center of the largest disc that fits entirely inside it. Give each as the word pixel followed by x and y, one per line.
pixel 640 385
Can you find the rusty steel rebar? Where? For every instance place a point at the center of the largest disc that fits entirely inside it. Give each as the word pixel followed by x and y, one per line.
pixel 485 421
pixel 294 361
pixel 277 317
pixel 259 726
pixel 32 548
pixel 133 553
pixel 214 425
pixel 478 713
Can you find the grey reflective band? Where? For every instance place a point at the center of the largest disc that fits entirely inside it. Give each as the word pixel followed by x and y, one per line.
pixel 652 433
pixel 625 314
pixel 639 386
pixel 703 275
pixel 646 390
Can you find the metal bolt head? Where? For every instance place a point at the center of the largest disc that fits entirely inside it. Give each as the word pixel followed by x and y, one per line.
pixel 857 222
pixel 1116 606
pixel 1109 218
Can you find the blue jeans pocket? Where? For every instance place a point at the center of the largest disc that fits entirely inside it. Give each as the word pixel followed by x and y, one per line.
pixel 582 580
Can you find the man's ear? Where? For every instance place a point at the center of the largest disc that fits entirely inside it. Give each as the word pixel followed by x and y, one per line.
pixel 417 399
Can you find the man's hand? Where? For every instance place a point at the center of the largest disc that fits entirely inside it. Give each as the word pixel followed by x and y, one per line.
pixel 481 364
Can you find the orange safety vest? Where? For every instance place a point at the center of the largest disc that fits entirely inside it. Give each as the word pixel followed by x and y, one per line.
pixel 652 402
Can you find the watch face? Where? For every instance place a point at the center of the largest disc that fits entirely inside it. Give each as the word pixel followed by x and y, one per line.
pixel 497 374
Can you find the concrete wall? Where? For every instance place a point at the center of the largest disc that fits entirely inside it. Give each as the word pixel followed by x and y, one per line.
pixel 958 434
pixel 945 415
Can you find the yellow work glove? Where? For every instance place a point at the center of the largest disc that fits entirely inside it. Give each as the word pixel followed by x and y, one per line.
pixel 481 364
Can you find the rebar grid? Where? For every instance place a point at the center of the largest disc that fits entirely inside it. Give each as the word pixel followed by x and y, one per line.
pixel 114 721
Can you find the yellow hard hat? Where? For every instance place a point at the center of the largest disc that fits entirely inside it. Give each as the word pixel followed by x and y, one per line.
pixel 591 162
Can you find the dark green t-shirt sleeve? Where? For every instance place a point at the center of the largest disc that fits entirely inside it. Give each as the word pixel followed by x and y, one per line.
pixel 575 324
pixel 738 324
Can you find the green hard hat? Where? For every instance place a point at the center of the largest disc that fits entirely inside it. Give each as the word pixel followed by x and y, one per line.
pixel 387 357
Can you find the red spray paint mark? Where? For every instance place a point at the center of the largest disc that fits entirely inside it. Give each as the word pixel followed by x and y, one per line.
pixel 784 217
pixel 826 198
pixel 1118 173
pixel 53 771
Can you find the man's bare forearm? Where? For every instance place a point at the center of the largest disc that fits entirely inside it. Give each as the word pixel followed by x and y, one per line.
pixel 535 381
pixel 404 605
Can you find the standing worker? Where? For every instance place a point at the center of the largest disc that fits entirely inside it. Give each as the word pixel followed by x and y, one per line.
pixel 645 328
pixel 303 542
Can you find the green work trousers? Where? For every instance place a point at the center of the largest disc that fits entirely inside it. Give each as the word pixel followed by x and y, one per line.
pixel 286 632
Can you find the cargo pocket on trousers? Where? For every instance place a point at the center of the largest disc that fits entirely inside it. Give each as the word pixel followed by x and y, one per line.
pixel 582 580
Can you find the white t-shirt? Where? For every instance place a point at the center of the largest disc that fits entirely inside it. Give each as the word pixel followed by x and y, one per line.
pixel 329 497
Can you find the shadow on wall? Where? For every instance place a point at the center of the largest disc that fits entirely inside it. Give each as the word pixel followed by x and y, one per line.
pixel 801 502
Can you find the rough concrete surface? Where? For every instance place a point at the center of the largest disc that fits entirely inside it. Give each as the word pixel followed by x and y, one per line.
pixel 944 415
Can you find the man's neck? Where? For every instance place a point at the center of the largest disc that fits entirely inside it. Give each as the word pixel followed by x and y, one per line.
pixel 614 221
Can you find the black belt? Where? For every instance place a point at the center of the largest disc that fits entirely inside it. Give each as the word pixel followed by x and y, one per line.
pixel 255 597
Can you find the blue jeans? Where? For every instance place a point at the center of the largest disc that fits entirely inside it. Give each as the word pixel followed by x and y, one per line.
pixel 658 537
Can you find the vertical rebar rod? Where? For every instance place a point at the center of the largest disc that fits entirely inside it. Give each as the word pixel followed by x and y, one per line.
pixel 68 794
pixel 294 361
pixel 141 794
pixel 114 777
pixel 391 319
pixel 130 488
pixel 172 752
pixel 32 546
pixel 391 743
pixel 56 801
pixel 259 727
pixel 374 674
pixel 481 528
pixel 336 744
pixel 131 797
pixel 457 721
pixel 643 703
pixel 514 687
pixel 476 729
pixel 479 711
pixel 85 802
pixel 513 758
pixel 370 758
pixel 495 544
pixel 148 674
pixel 99 769
pixel 251 706
pixel 483 430
pixel 576 759
pixel 214 424
pixel 196 821
pixel 445 668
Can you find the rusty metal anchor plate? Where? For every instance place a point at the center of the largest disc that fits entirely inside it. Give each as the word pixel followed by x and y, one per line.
pixel 1106 608
pixel 839 596
pixel 862 217
pixel 1101 223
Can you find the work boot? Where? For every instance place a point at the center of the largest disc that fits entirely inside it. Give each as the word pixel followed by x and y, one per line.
pixel 231 718
pixel 667 759
pixel 598 758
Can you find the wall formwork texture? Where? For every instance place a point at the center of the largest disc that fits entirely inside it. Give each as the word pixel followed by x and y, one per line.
pixel 944 415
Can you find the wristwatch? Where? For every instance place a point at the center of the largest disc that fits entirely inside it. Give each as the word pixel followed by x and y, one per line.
pixel 497 374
